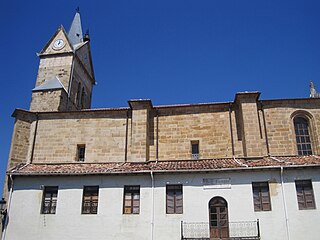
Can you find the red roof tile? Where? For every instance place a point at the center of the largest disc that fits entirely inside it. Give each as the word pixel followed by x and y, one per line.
pixel 163 166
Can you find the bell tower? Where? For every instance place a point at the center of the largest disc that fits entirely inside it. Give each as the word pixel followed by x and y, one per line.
pixel 65 76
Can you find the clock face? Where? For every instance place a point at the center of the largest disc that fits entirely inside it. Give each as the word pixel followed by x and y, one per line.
pixel 58 44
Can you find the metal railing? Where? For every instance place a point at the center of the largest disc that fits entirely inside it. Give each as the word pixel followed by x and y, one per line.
pixel 195 156
pixel 237 230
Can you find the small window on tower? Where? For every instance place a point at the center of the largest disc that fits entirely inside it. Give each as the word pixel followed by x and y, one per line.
pixel 83 93
pixel 78 96
pixel 81 151
pixel 195 149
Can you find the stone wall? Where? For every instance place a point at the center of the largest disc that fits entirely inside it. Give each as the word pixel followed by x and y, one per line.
pixel 102 133
pixel 47 101
pixel 178 126
pixel 279 124
pixel 51 66
pixel 143 132
pixel 21 139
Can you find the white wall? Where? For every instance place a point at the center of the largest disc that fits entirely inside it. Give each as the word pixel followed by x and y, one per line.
pixel 26 222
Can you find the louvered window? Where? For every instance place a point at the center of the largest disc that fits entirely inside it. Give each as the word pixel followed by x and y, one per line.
pixel 90 200
pixel 261 196
pixel 131 200
pixel 49 200
pixel 305 194
pixel 174 199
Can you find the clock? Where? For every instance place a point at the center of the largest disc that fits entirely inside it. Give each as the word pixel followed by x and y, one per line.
pixel 58 44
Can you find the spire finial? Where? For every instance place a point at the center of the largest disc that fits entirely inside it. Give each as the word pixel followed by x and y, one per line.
pixel 78 9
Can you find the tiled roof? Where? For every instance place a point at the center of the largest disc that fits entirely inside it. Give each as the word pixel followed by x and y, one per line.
pixel 164 166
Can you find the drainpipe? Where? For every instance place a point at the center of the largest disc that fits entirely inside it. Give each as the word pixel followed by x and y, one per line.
pixel 284 203
pixel 265 129
pixel 8 210
pixel 126 143
pixel 157 137
pixel 34 138
pixel 231 132
pixel 152 204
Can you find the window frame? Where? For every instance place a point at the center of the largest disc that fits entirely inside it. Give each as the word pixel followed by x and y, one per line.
pixel 303 184
pixel 92 193
pixel 53 200
pixel 264 202
pixel 195 155
pixel 78 96
pixel 133 191
pixel 175 189
pixel 79 147
pixel 303 135
pixel 83 93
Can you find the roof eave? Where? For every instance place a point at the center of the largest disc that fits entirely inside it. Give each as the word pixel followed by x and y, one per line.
pixel 167 171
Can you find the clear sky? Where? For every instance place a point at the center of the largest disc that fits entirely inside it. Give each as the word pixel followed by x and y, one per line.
pixel 171 51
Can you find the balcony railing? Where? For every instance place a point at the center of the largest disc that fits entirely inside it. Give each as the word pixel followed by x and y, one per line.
pixel 245 230
pixel 195 156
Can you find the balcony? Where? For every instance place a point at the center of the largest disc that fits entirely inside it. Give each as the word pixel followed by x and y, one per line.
pixel 245 230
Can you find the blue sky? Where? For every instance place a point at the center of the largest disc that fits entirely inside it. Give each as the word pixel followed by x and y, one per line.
pixel 172 52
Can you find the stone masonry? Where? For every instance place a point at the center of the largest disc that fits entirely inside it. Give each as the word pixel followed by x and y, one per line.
pixel 143 132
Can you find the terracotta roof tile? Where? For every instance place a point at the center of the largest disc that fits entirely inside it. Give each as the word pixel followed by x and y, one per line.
pixel 162 166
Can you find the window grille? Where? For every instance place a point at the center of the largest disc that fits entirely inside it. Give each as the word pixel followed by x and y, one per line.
pixel 131 200
pixel 90 200
pixel 81 151
pixel 301 127
pixel 49 200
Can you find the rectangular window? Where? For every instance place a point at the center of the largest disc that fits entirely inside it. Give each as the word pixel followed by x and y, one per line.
pixel 81 150
pixel 305 194
pixel 195 150
pixel 49 200
pixel 131 200
pixel 261 196
pixel 174 199
pixel 90 200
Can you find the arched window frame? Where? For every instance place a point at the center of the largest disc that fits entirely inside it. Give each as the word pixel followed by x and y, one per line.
pixel 311 130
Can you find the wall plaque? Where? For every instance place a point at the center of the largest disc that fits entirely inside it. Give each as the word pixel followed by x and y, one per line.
pixel 216 183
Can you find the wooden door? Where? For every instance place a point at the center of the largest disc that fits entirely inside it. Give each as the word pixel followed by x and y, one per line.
pixel 218 213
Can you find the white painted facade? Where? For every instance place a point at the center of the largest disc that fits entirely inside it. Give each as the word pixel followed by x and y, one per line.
pixel 25 221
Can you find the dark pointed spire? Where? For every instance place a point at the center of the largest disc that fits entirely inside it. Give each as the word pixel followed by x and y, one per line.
pixel 75 32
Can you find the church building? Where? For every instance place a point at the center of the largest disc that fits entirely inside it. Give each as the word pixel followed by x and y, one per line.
pixel 238 170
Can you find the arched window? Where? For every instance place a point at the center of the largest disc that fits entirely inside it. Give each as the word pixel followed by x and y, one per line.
pixel 82 98
pixel 78 95
pixel 301 127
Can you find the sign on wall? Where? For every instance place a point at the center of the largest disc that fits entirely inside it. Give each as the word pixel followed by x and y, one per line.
pixel 216 183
